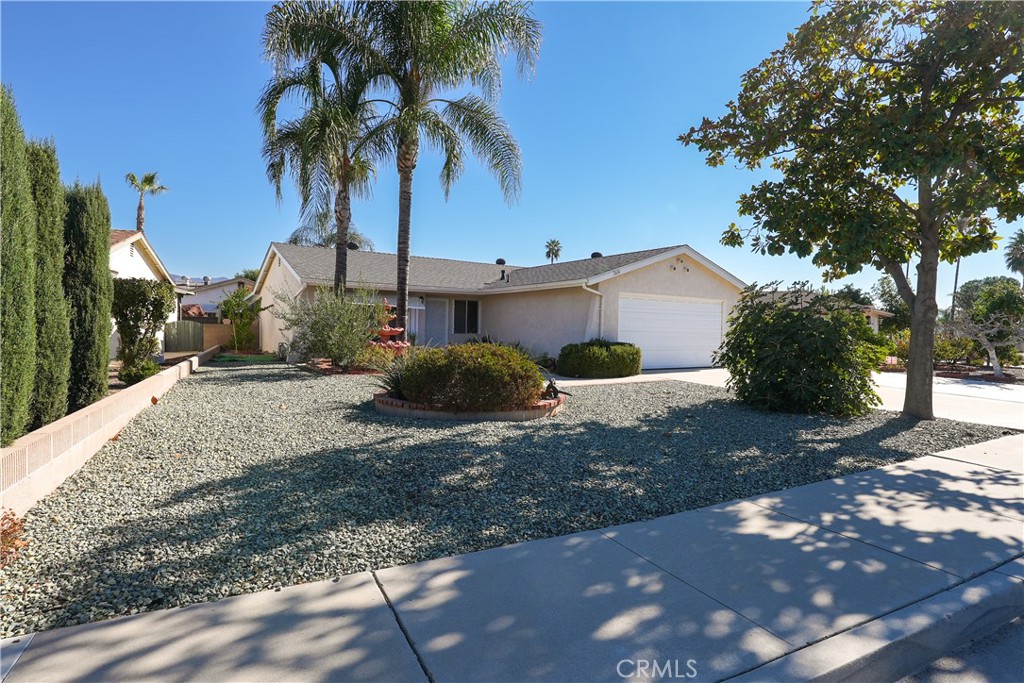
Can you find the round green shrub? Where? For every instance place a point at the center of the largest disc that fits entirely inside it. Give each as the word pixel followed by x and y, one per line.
pixel 139 371
pixel 799 352
pixel 471 378
pixel 599 358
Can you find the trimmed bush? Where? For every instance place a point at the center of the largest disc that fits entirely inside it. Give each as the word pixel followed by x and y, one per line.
pixel 800 353
pixel 140 309
pixel 599 358
pixel 242 312
pixel 17 276
pixel 470 378
pixel 331 325
pixel 90 290
pixel 53 334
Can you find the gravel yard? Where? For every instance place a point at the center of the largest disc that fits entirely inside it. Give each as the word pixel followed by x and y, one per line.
pixel 246 478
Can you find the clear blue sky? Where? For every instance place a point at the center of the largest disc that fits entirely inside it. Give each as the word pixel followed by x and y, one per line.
pixel 171 87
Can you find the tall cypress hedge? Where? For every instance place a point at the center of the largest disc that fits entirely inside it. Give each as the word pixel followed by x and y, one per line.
pixel 17 275
pixel 53 334
pixel 90 290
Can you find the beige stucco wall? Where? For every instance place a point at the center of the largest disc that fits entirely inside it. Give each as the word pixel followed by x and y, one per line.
pixel 279 280
pixel 680 276
pixel 545 320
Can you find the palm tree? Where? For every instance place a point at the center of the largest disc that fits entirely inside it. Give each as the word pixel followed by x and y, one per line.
pixel 416 53
pixel 1015 253
pixel 148 185
pixel 318 232
pixel 554 250
pixel 326 149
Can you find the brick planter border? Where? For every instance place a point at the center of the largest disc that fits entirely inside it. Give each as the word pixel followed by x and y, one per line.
pixel 38 462
pixel 398 408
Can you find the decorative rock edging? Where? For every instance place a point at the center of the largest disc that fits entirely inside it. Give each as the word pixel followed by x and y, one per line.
pixel 396 407
pixel 37 463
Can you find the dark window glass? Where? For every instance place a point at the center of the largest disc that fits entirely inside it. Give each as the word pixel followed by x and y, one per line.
pixel 467 317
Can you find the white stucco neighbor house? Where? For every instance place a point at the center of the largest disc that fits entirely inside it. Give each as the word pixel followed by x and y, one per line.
pixel 131 255
pixel 672 302
pixel 207 294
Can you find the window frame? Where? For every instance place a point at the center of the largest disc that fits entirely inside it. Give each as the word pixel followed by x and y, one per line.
pixel 465 316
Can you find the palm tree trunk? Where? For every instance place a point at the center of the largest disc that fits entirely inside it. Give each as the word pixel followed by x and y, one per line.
pixel 408 151
pixel 140 215
pixel 342 221
pixel 956 281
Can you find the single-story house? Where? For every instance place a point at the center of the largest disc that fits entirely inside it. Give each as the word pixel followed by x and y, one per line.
pixel 131 255
pixel 207 293
pixel 672 302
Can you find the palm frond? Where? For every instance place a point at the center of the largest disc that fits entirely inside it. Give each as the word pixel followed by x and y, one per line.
pixel 490 138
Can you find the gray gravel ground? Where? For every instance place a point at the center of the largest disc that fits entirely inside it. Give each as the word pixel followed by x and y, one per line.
pixel 247 478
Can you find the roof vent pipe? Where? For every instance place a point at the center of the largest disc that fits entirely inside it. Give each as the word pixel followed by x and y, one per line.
pixel 596 254
pixel 500 262
pixel 206 279
pixel 502 274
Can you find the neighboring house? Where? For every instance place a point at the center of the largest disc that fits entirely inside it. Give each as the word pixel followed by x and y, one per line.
pixel 207 293
pixel 875 316
pixel 672 302
pixel 131 255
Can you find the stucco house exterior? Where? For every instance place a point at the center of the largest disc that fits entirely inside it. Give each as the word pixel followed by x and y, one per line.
pixel 672 302
pixel 131 255
pixel 207 295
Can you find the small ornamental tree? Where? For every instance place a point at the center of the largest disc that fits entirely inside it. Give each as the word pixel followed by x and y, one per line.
pixel 331 325
pixel 894 130
pixel 90 290
pixel 17 276
pixel 800 352
pixel 992 315
pixel 889 300
pixel 242 313
pixel 141 308
pixel 53 335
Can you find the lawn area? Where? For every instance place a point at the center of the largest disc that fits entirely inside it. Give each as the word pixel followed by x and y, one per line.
pixel 244 478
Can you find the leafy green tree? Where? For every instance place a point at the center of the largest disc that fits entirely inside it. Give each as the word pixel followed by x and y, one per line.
pixel 53 336
pixel 992 314
pixel 149 184
pixel 895 131
pixel 90 291
pixel 242 312
pixel 417 53
pixel 855 295
pixel 318 232
pixel 140 310
pixel 17 275
pixel 249 273
pixel 552 250
pixel 888 299
pixel 1015 253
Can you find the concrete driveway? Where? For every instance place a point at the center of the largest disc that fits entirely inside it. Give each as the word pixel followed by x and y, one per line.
pixel 977 401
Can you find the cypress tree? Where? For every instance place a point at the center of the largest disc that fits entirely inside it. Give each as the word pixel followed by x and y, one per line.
pixel 90 289
pixel 17 276
pixel 53 334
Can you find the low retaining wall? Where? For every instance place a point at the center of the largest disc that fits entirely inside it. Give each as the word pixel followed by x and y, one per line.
pixel 399 408
pixel 37 463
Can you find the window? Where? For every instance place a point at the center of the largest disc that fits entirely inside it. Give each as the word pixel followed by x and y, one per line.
pixel 467 317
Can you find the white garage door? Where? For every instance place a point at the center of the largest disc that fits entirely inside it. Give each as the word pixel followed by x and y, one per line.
pixel 671 333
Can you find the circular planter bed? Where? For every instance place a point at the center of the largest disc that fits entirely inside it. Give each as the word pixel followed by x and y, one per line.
pixel 398 408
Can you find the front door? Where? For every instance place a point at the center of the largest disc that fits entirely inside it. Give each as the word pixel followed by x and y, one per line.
pixel 436 327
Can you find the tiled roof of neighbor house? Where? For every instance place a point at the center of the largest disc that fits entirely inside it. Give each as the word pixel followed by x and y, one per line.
pixel 118 236
pixel 574 270
pixel 376 269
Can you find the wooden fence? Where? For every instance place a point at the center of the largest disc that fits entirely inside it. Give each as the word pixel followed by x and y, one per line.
pixel 183 335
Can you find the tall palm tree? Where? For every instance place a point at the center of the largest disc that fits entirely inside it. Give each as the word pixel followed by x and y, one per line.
pixel 149 184
pixel 325 149
pixel 553 250
pixel 416 53
pixel 1015 253
pixel 318 231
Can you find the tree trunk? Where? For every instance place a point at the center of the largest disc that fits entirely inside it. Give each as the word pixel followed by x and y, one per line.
pixel 140 215
pixel 993 357
pixel 920 365
pixel 408 150
pixel 342 221
pixel 956 282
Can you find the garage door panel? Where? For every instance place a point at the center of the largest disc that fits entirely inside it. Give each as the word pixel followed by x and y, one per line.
pixel 671 333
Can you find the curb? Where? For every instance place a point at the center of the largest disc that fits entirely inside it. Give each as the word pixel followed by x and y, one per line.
pixel 905 641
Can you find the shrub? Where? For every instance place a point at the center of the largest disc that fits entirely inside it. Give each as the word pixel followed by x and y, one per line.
pixel 802 353
pixel 90 289
pixel 952 348
pixel 900 341
pixel 470 378
pixel 53 335
pixel 331 325
pixel 392 378
pixel 375 357
pixel 242 312
pixel 140 309
pixel 17 276
pixel 599 358
pixel 139 371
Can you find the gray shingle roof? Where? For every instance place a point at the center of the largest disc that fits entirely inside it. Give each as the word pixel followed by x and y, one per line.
pixel 378 270
pixel 574 270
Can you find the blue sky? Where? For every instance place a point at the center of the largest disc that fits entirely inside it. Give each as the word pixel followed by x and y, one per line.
pixel 172 87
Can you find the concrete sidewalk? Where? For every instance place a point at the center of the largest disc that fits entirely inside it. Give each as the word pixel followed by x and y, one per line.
pixel 874 574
